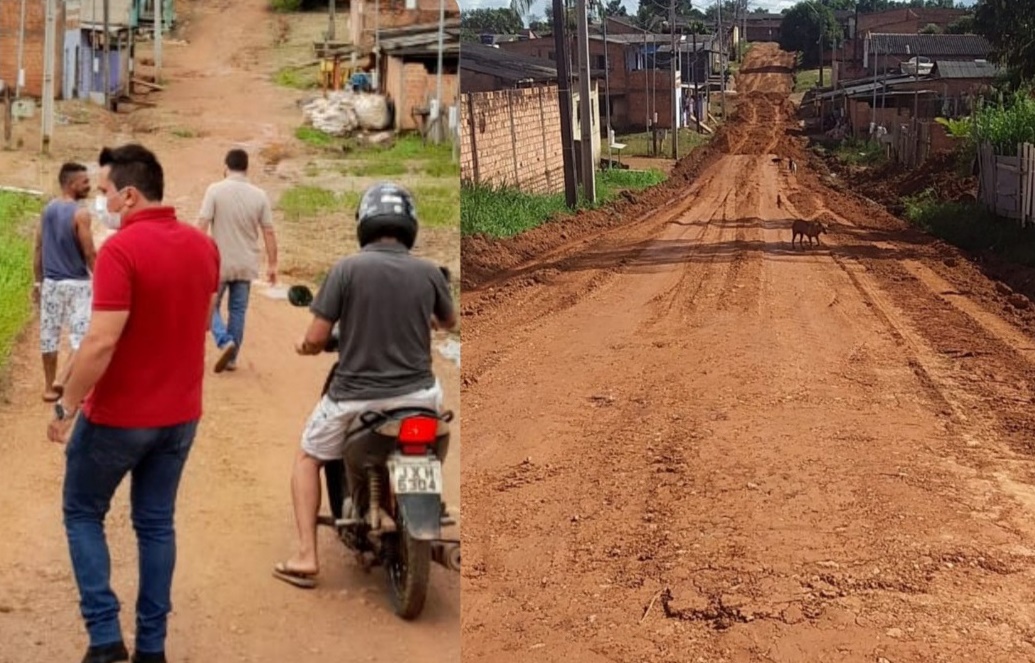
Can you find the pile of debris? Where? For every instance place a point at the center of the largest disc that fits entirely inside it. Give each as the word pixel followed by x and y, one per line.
pixel 346 112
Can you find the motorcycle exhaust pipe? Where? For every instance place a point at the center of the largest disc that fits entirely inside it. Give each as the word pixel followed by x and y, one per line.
pixel 446 553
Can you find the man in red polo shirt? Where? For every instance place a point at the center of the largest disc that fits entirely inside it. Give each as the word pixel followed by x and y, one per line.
pixel 140 370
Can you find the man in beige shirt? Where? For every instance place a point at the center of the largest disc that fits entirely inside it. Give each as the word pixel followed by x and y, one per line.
pixel 236 210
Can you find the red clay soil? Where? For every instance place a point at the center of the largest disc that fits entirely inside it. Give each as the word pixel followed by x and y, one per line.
pixel 890 183
pixel 694 442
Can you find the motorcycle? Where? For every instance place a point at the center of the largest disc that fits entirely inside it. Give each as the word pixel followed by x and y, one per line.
pixel 397 518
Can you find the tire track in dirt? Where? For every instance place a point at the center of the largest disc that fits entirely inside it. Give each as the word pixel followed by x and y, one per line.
pixel 742 451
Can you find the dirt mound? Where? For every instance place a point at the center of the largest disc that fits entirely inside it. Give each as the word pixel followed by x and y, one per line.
pixel 892 182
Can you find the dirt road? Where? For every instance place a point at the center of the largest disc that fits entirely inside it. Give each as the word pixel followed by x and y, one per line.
pixel 234 516
pixel 696 443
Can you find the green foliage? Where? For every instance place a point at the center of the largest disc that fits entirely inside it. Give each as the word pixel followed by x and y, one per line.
pixel 506 211
pixel 1006 125
pixel 971 227
pixel 804 26
pixel 1008 25
pixel 498 21
pixel 17 213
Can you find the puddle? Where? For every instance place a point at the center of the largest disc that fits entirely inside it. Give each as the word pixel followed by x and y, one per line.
pixel 450 349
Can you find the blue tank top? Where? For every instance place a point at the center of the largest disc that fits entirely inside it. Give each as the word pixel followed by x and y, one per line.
pixel 62 258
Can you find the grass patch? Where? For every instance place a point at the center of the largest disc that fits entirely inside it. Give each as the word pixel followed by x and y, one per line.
pixel 305 78
pixel 971 227
pixel 854 152
pixel 285 6
pixel 315 137
pixel 17 213
pixel 184 132
pixel 436 205
pixel 505 212
pixel 303 202
pixel 407 153
pixel 639 144
pixel 805 79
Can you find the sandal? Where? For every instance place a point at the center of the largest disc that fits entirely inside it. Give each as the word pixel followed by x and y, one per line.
pixel 303 579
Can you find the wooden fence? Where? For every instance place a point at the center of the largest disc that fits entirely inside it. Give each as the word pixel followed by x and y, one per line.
pixel 1007 183
pixel 909 143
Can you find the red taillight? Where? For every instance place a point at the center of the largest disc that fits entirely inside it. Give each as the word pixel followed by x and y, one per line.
pixel 416 433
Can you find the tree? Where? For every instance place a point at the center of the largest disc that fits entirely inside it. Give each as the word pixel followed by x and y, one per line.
pixel 930 29
pixel 654 12
pixel 964 25
pixel 497 21
pixel 759 10
pixel 615 8
pixel 1008 25
pixel 804 26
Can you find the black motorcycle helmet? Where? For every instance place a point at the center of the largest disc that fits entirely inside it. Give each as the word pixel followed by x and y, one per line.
pixel 386 210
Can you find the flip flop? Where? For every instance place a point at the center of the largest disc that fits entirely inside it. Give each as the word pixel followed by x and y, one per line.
pixel 52 397
pixel 297 578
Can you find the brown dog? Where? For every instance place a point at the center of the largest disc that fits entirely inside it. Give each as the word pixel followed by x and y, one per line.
pixel 803 229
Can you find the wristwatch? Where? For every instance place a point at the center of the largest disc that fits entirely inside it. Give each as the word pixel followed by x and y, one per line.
pixel 61 413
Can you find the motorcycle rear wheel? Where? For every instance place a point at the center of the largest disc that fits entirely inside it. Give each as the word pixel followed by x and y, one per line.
pixel 408 566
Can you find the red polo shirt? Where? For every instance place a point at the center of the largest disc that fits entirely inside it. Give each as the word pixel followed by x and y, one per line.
pixel 164 273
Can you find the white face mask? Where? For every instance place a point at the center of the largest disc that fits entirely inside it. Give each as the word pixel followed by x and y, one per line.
pixel 112 220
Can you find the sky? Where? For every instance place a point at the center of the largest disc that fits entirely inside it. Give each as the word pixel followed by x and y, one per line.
pixel 540 5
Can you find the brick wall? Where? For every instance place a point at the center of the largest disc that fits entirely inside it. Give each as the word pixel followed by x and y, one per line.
pixel 512 138
pixel 412 86
pixel 394 14
pixel 10 21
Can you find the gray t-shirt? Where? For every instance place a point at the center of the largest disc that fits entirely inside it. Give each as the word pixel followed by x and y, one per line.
pixel 383 299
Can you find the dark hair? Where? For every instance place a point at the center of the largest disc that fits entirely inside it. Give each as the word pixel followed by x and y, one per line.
pixel 68 171
pixel 136 166
pixel 237 161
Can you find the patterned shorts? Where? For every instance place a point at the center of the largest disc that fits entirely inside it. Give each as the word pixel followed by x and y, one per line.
pixel 64 304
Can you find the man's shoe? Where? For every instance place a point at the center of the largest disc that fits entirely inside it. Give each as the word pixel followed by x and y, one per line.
pixel 226 356
pixel 140 657
pixel 111 653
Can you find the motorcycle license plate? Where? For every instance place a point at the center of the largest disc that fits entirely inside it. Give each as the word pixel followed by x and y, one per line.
pixel 416 475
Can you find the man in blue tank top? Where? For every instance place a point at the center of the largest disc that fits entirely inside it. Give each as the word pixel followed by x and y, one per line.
pixel 63 263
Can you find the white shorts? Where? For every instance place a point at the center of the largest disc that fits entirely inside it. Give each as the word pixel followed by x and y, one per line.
pixel 64 304
pixel 324 434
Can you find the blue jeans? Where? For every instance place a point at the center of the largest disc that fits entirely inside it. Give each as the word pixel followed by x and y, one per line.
pixel 98 458
pixel 237 306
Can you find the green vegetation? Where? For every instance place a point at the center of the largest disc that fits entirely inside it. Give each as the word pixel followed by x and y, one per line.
pixel 17 213
pixel 298 79
pixel 805 79
pixel 407 153
pixel 504 212
pixel 971 227
pixel 855 152
pixel 315 137
pixel 285 6
pixel 639 145
pixel 437 206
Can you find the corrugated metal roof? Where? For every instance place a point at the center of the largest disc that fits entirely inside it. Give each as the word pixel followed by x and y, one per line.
pixel 508 65
pixel 420 35
pixel 965 69
pixel 973 46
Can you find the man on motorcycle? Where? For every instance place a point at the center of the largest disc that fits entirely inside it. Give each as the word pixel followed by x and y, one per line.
pixel 385 302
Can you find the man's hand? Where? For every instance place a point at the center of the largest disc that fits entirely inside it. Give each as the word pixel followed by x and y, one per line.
pixel 59 429
pixel 271 275
pixel 302 347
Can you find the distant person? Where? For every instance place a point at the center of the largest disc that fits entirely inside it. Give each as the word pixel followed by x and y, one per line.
pixel 138 379
pixel 235 210
pixel 64 258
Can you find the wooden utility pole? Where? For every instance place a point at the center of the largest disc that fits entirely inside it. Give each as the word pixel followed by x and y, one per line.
pixel 107 59
pixel 722 60
pixel 49 42
pixel 331 19
pixel 675 81
pixel 571 194
pixel 607 80
pixel 159 29
pixel 21 55
pixel 589 186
